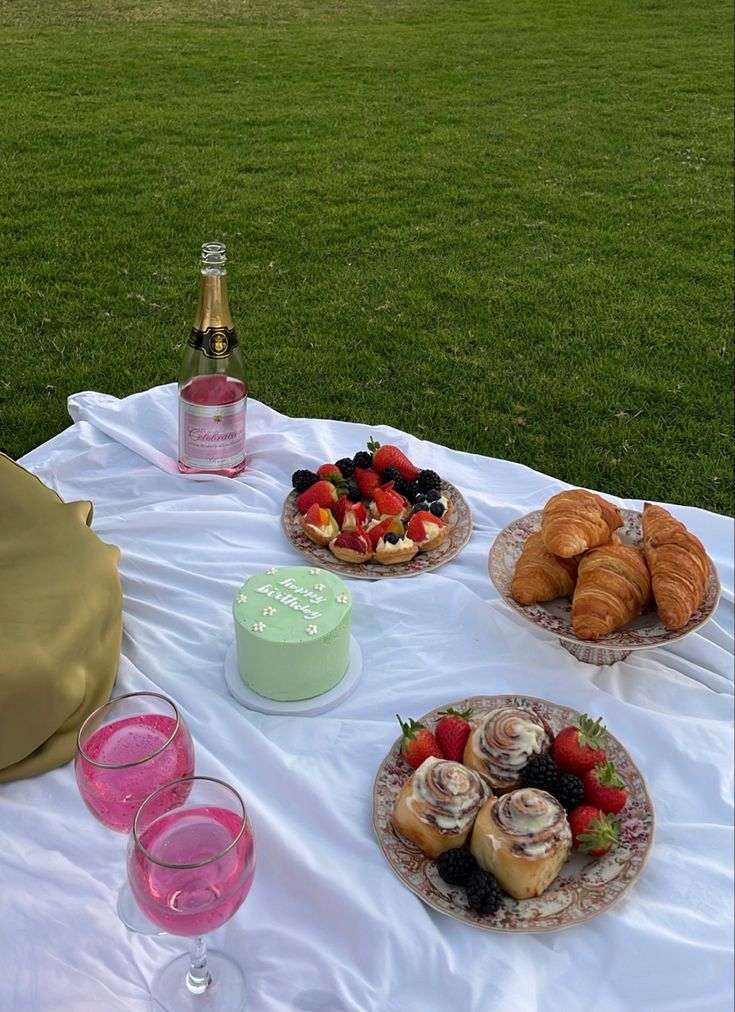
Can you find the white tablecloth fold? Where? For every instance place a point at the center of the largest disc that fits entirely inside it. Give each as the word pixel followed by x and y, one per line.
pixel 328 926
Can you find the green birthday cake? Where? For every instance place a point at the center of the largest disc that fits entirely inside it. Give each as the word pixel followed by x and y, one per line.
pixel 292 632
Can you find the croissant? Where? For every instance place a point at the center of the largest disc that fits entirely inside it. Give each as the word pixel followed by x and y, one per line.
pixel 613 586
pixel 574 521
pixel 541 576
pixel 678 564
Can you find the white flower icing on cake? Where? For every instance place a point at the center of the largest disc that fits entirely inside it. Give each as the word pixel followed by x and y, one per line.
pixel 304 648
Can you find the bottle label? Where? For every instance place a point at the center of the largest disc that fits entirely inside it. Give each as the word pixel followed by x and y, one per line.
pixel 213 436
pixel 214 342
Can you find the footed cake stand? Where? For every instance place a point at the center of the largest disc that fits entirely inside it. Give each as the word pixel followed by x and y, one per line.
pixel 301 707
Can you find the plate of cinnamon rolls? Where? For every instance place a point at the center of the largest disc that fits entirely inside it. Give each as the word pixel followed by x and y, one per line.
pixel 605 580
pixel 519 834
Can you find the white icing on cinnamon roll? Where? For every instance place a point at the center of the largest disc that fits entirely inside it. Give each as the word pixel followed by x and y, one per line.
pixel 534 819
pixel 446 794
pixel 504 741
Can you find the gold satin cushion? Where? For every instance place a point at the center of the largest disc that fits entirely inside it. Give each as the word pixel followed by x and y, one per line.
pixel 60 623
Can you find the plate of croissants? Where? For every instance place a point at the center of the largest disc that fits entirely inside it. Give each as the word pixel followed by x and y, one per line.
pixel 603 579
pixel 474 839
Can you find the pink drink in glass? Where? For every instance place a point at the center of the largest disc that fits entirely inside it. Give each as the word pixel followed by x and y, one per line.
pixel 136 755
pixel 195 900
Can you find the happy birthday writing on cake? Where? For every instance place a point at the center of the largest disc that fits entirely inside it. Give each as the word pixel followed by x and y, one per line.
pixel 294 602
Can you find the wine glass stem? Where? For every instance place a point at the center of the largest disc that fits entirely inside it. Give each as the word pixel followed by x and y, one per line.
pixel 198 978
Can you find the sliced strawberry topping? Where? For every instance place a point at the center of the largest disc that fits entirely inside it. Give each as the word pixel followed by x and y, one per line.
pixel 389 501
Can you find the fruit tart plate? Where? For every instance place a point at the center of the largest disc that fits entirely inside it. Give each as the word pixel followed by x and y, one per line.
pixel 584 888
pixel 643 632
pixel 459 523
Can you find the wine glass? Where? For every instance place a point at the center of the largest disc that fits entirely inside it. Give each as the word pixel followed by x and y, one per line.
pixel 191 863
pixel 127 748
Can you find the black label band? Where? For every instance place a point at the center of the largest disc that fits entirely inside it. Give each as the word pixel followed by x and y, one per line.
pixel 214 342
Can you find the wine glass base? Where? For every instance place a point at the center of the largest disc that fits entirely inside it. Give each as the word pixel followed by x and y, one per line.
pixel 226 993
pixel 132 916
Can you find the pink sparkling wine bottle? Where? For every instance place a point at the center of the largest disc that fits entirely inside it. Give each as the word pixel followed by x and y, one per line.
pixel 213 391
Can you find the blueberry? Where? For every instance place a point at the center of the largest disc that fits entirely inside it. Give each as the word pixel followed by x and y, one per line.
pixel 391 538
pixel 421 506
pixel 437 509
pixel 432 495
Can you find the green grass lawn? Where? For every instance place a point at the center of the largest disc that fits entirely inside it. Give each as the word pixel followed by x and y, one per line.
pixel 506 227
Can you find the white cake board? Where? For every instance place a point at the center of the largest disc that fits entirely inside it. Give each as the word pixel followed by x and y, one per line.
pixel 303 707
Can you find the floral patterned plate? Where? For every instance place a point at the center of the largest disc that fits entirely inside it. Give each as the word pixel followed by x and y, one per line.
pixel 460 529
pixel 585 886
pixel 642 632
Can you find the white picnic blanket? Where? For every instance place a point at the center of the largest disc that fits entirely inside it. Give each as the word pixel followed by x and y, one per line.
pixel 328 926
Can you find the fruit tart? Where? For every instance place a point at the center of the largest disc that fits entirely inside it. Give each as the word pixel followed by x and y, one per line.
pixel 319 525
pixel 377 491
pixel 392 548
pixel 427 531
pixel 388 502
pixel 352 546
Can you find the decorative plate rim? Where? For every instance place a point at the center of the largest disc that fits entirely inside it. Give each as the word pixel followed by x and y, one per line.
pixel 558 712
pixel 460 531
pixel 540 615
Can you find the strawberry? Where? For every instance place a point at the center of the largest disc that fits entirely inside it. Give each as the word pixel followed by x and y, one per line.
pixel 343 506
pixel 452 732
pixel 579 747
pixel 593 831
pixel 391 456
pixel 367 480
pixel 323 493
pixel 416 525
pixel 377 531
pixel 418 743
pixel 388 501
pixel 330 472
pixel 356 541
pixel 316 515
pixel 604 788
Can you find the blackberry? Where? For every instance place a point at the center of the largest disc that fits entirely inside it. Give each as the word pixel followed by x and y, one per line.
pixel 437 509
pixel 432 494
pixel 346 467
pixel 483 893
pixel 392 474
pixel 569 791
pixel 456 866
pixel 410 490
pixel 301 480
pixel 429 479
pixel 353 493
pixel 362 459
pixel 540 771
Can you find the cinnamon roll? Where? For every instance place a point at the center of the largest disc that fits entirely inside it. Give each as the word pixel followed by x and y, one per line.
pixel 501 744
pixel 438 804
pixel 523 839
